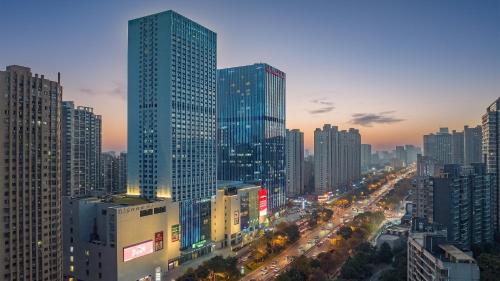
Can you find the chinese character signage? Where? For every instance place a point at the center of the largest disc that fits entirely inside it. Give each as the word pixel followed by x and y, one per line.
pixel 158 241
pixel 175 233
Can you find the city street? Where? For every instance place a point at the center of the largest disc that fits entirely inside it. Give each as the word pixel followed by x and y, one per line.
pixel 315 241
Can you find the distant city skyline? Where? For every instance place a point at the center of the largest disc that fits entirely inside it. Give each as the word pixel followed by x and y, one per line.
pixel 394 70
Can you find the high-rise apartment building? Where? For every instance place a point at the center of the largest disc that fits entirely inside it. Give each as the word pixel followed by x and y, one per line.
pixel 366 156
pixel 457 147
pixel 400 154
pixel 439 146
pixel 337 158
pixel 81 150
pixel 30 151
pixel 251 128
pixel 491 153
pixel 172 119
pixel 411 153
pixel 114 172
pixel 473 142
pixel 294 143
pixel 121 166
pixel 109 169
pixel 459 199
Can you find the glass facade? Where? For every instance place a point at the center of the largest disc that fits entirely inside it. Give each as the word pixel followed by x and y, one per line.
pixel 171 115
pixel 251 128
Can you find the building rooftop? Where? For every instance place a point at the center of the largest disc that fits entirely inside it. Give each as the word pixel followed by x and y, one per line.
pixel 453 254
pixel 127 200
pixel 235 184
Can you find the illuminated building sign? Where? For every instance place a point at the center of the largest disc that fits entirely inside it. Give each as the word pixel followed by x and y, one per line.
pixel 158 241
pixel 175 233
pixel 236 217
pixel 275 72
pixel 137 250
pixel 262 203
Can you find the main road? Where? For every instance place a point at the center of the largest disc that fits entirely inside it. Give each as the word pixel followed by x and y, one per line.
pixel 314 241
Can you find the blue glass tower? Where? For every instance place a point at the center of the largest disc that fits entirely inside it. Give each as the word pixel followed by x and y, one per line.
pixel 251 128
pixel 171 118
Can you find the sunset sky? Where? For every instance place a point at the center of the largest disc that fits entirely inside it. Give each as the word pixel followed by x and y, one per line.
pixel 393 69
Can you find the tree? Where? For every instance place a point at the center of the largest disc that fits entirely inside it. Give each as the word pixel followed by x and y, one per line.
pixel 292 232
pixel 384 253
pixel 345 232
pixel 490 266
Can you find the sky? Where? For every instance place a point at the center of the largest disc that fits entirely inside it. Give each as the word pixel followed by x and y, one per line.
pixel 393 69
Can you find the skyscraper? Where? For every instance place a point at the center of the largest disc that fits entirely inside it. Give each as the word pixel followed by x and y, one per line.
pixel 366 156
pixel 114 172
pixel 251 128
pixel 462 202
pixel 122 172
pixel 457 147
pixel 171 119
pixel 81 150
pixel 30 132
pixel 473 141
pixel 337 158
pixel 491 153
pixel 109 172
pixel 439 146
pixel 294 162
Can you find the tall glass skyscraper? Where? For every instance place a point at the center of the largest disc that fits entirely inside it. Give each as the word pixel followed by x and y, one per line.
pixel 171 118
pixel 251 128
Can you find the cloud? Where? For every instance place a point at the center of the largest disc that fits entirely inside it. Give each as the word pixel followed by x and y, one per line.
pixel 324 106
pixel 87 91
pixel 368 119
pixel 118 90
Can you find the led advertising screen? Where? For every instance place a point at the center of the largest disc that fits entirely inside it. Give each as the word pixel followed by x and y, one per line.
pixel 262 203
pixel 137 250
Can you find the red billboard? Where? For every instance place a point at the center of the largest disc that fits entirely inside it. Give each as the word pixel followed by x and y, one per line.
pixel 262 203
pixel 158 241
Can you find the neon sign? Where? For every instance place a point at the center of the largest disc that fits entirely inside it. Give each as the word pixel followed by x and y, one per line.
pixel 262 203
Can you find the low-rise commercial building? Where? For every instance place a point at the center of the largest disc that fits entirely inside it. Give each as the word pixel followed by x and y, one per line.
pixel 236 212
pixel 120 238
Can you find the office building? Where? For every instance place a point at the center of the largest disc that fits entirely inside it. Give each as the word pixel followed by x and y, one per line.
pixel 461 201
pixel 431 257
pixel 294 144
pixel 337 158
pixel 30 132
pixel 473 142
pixel 171 119
pixel 237 209
pixel 251 128
pixel 120 238
pixel 366 156
pixel 81 150
pixel 491 153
